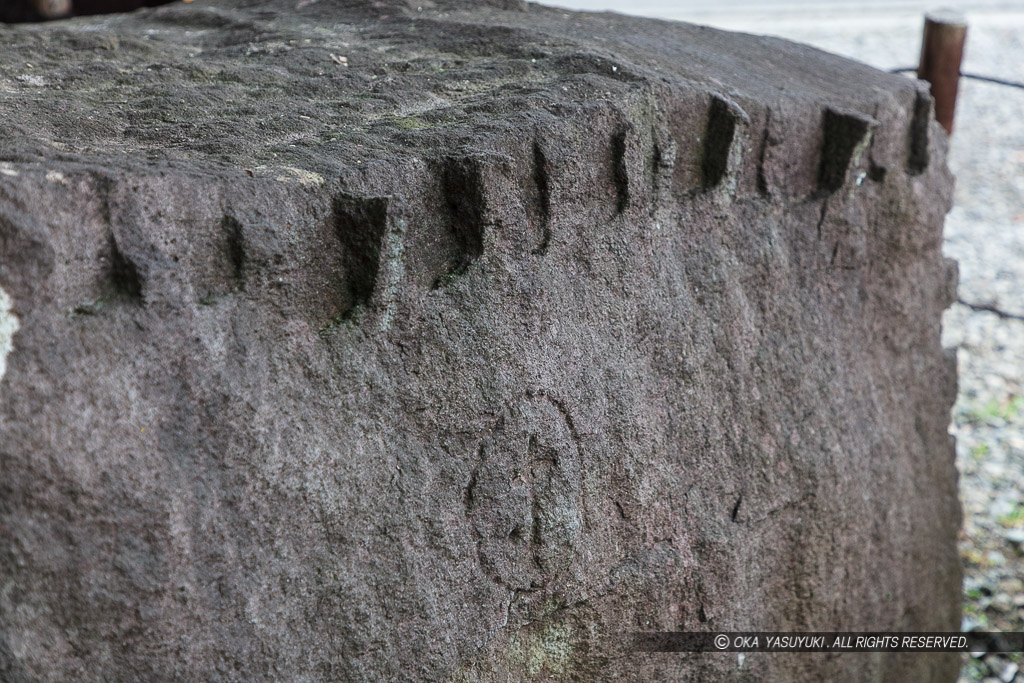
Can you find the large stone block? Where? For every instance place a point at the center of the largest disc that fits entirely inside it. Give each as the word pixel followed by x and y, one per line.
pixel 357 341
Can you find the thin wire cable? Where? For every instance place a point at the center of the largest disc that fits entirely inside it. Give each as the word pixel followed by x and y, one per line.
pixel 975 77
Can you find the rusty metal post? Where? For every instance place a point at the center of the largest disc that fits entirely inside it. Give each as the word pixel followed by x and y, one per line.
pixel 52 9
pixel 942 49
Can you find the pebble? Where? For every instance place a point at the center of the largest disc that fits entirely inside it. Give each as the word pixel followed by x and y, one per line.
pixel 995 558
pixel 1014 536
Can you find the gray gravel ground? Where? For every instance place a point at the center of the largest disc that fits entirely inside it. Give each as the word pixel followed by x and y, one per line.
pixel 985 233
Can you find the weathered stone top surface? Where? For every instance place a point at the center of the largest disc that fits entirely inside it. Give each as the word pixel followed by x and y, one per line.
pixel 323 85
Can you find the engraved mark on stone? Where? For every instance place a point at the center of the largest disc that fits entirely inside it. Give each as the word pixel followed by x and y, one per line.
pixel 524 496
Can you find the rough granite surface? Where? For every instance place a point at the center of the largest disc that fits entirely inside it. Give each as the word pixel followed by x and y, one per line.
pixel 364 341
